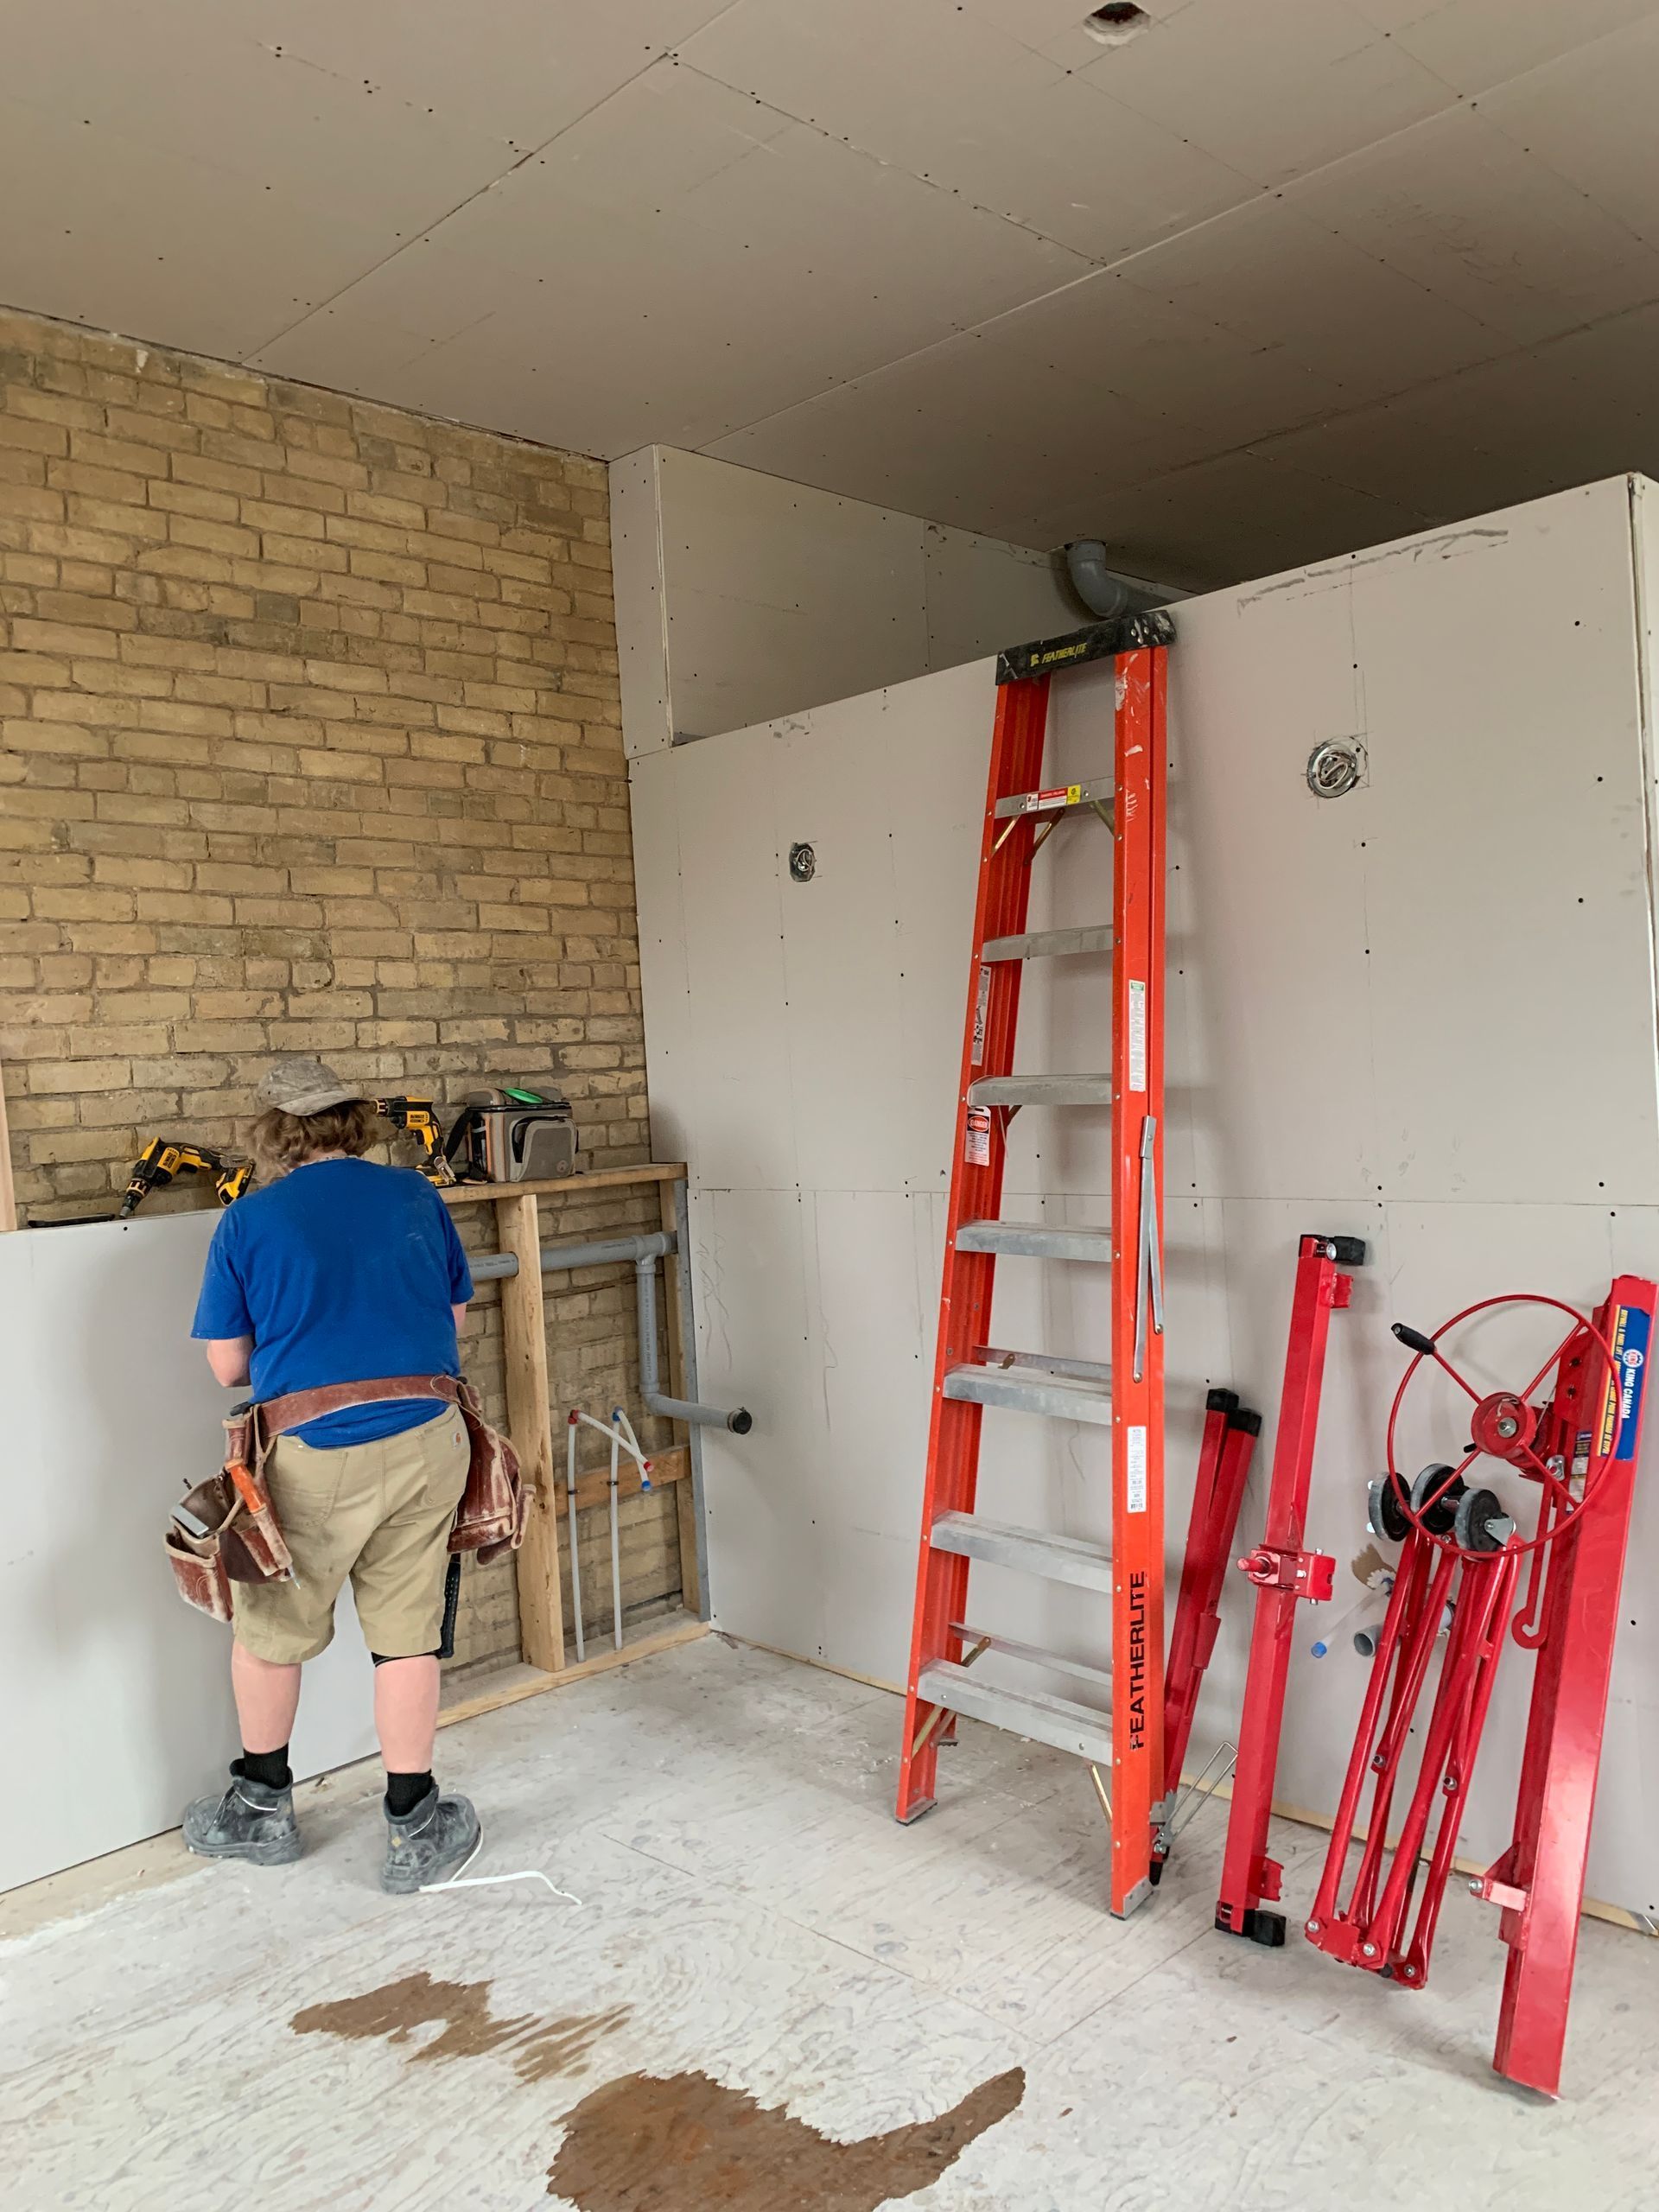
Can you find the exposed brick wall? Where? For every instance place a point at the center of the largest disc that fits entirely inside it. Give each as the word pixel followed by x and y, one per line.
pixel 311 742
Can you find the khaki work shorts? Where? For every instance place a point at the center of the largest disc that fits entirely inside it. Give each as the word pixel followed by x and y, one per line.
pixel 380 1512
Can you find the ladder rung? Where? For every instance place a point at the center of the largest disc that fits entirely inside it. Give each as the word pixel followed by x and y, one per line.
pixel 1064 798
pixel 1019 1391
pixel 1037 944
pixel 1056 1720
pixel 1100 1676
pixel 1034 1240
pixel 1041 1091
pixel 1056 1559
pixel 1045 1362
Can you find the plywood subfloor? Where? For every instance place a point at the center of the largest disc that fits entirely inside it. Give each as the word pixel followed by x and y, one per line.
pixel 767 1986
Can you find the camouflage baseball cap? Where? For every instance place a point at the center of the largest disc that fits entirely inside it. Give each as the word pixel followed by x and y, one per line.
pixel 299 1085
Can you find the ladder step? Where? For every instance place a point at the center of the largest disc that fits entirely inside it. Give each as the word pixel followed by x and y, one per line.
pixel 1023 1390
pixel 1035 1240
pixel 1062 798
pixel 1056 1559
pixel 1055 1721
pixel 1045 1362
pixel 1041 1091
pixel 1038 945
pixel 1100 1676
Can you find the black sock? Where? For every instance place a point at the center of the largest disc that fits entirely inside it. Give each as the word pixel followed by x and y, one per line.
pixel 270 1767
pixel 404 1792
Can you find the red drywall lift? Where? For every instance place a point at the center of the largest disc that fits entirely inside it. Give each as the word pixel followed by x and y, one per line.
pixel 1578 1443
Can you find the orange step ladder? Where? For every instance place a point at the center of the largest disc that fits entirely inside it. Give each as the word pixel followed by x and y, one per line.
pixel 1121 1727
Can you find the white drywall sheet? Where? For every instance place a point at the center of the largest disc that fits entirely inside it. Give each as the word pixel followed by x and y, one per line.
pixel 1422 1014
pixel 118 1703
pixel 740 596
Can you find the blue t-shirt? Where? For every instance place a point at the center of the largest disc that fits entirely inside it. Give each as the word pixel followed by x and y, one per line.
pixel 341 1272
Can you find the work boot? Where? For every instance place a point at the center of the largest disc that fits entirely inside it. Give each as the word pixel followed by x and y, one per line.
pixel 252 1820
pixel 434 1841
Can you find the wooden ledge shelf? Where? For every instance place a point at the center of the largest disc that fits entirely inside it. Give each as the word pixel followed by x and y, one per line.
pixel 596 1178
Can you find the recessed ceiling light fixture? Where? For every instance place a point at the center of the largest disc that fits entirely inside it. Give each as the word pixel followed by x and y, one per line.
pixel 1116 23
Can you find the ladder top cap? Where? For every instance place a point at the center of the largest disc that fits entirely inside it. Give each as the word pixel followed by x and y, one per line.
pixel 1095 641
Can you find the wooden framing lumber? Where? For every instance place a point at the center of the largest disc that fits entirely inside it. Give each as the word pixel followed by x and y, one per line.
pixel 524 1339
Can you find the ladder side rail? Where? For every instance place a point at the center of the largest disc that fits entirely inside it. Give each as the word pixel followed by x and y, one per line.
pixel 975 1192
pixel 1137 1399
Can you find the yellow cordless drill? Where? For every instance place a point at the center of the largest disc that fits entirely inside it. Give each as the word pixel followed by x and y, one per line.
pixel 161 1160
pixel 416 1117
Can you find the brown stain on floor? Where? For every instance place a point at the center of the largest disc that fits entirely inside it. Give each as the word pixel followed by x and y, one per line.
pixel 688 2145
pixel 539 2048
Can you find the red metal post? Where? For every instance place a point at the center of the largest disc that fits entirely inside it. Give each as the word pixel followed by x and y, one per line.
pixel 975 1195
pixel 1543 1869
pixel 1283 1573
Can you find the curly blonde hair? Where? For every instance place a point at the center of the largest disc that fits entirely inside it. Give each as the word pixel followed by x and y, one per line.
pixel 285 1141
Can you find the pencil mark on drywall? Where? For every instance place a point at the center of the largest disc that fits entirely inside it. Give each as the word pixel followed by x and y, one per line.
pixel 640 2143
pixel 1446 546
pixel 466 2027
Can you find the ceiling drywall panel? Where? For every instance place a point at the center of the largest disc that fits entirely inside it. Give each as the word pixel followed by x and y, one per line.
pixel 976 111
pixel 1272 89
pixel 521 70
pixel 953 256
pixel 1591 120
pixel 1278 281
pixel 665 231
pixel 1460 209
pixel 1582 408
pixel 146 239
pixel 1474 44
pixel 179 80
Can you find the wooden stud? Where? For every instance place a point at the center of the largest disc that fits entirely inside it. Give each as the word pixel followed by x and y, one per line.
pixel 523 1344
pixel 685 1501
pixel 593 1486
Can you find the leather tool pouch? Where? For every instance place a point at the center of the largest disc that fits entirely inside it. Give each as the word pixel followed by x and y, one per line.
pixel 226 1530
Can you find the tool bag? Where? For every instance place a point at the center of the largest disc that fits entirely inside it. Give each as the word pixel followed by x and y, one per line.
pixel 236 1537
pixel 513 1136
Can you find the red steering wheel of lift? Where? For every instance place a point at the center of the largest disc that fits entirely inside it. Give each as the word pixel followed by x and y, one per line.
pixel 1503 1426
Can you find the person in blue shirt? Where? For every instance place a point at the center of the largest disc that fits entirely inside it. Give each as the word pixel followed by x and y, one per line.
pixel 337 1270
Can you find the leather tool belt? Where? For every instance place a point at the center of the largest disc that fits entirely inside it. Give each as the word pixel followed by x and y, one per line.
pixel 225 1530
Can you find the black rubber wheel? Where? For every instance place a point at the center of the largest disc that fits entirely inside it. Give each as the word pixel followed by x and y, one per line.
pixel 1385 1515
pixel 1480 1524
pixel 1438 1518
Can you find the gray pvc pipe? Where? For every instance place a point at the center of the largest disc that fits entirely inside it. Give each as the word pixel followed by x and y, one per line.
pixel 739 1420
pixel 644 1251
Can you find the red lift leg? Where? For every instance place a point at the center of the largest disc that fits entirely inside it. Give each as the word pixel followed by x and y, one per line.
pixel 1283 1573
pixel 1540 1879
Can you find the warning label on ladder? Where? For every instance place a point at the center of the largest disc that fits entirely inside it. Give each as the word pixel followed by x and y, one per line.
pixel 977 1144
pixel 1137 1035
pixel 1134 1470
pixel 980 1005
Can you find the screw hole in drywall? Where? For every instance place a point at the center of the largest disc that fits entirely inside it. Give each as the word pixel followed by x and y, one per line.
pixel 803 864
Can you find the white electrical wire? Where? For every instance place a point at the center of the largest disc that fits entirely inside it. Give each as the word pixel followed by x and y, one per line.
pixel 484 1881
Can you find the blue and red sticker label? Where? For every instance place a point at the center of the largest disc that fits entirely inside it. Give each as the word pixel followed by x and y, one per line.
pixel 1622 1413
